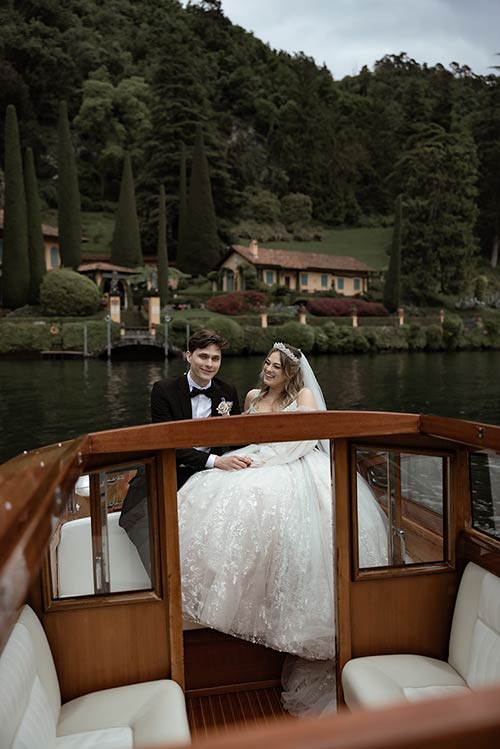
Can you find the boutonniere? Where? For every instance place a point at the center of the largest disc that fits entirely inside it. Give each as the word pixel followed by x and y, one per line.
pixel 224 407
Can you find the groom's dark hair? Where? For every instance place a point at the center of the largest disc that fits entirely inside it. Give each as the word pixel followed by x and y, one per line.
pixel 204 338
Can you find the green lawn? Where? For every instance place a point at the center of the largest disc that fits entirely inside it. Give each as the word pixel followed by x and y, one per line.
pixel 368 245
pixel 97 228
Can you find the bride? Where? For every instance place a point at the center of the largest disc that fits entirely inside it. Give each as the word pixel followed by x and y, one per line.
pixel 256 544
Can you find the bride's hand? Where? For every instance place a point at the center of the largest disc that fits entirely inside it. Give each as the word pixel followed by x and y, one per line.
pixel 231 462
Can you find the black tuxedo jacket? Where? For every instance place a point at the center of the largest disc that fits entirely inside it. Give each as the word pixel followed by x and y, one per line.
pixel 171 401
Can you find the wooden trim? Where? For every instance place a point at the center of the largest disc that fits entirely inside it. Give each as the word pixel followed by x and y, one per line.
pixel 167 496
pixel 342 546
pixel 33 490
pixel 254 428
pixel 228 688
pixel 483 550
pixel 484 436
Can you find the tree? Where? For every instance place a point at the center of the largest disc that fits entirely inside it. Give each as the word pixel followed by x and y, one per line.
pixel 438 175
pixel 36 249
pixel 15 268
pixel 68 195
pixel 126 242
pixel 162 250
pixel 181 228
pixel 392 287
pixel 199 250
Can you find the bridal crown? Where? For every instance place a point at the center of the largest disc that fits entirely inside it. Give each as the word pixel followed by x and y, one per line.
pixel 285 350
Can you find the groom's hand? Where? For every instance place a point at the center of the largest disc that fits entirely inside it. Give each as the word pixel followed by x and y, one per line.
pixel 231 462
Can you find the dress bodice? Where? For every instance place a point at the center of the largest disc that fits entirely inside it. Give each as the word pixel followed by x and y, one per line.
pixel 291 407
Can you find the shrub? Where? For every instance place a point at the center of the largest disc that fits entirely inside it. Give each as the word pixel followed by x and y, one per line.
pixel 262 206
pixel 29 336
pixel 415 336
pixel 331 307
pixel 481 288
pixel 260 340
pixel 68 294
pixel 434 336
pixel 453 328
pixel 298 335
pixel 230 330
pixel 237 302
pixel 296 208
pixel 97 337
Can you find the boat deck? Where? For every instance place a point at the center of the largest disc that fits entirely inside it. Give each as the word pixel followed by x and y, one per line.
pixel 218 713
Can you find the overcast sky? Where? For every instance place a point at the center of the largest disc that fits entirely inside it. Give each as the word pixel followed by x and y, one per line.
pixel 347 34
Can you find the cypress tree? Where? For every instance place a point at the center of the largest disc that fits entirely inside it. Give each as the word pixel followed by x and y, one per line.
pixel 126 242
pixel 199 249
pixel 392 287
pixel 162 250
pixel 181 229
pixel 36 249
pixel 15 268
pixel 68 195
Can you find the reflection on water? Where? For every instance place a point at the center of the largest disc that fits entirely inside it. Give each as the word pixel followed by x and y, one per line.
pixel 47 401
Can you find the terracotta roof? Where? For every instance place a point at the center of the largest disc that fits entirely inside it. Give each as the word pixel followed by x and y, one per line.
pixel 300 260
pixel 47 229
pixel 105 266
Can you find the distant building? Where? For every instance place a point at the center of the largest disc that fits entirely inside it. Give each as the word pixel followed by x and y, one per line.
pixel 299 271
pixel 50 241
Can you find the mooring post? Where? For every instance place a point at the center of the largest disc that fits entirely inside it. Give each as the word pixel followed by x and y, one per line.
pixel 108 330
pixel 85 341
pixel 166 320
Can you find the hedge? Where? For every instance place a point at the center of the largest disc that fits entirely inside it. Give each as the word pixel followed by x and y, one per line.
pixel 237 302
pixel 43 336
pixel 330 307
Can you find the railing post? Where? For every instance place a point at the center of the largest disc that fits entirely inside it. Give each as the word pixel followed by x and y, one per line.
pixel 188 334
pixel 263 318
pixel 85 340
pixel 166 321
pixel 401 316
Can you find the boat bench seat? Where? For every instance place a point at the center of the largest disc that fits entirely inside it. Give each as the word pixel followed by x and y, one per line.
pixel 31 715
pixel 473 659
pixel 75 565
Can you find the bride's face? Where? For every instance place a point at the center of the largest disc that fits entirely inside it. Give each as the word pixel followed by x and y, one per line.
pixel 272 372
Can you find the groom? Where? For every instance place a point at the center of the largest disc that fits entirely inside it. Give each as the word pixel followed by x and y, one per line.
pixel 198 394
pixel 195 395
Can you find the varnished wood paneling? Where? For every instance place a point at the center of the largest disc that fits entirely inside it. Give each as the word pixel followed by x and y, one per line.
pixel 218 662
pixel 342 546
pixel 477 547
pixel 170 560
pixel 96 648
pixel 455 723
pixel 252 428
pixel 466 432
pixel 410 614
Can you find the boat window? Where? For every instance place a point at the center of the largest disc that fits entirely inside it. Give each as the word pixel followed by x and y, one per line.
pixel 485 492
pixel 400 497
pixel 102 543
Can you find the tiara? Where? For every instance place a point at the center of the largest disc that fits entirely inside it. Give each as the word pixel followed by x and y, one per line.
pixel 285 350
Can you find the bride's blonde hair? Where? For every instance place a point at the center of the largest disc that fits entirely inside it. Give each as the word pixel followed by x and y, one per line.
pixel 290 362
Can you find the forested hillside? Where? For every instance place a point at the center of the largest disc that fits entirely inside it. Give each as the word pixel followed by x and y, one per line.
pixel 139 76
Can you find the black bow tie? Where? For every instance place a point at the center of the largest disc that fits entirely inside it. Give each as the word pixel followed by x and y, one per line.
pixel 197 391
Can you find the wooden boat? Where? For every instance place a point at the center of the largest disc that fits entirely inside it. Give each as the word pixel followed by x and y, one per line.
pixel 107 631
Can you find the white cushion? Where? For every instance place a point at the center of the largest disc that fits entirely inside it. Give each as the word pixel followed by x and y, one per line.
pixel 465 617
pixel 108 738
pixel 382 679
pixel 155 711
pixel 29 691
pixel 74 559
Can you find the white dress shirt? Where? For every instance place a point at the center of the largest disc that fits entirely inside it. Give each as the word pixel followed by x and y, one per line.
pixel 201 407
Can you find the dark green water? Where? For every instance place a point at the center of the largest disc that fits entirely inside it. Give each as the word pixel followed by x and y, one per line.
pixel 42 402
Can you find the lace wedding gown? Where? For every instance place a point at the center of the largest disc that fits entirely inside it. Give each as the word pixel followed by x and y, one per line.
pixel 256 548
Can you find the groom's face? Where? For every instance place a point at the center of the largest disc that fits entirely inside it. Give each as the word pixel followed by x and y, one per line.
pixel 204 363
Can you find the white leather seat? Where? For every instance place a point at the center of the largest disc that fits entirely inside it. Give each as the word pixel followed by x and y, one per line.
pixel 473 661
pixel 31 715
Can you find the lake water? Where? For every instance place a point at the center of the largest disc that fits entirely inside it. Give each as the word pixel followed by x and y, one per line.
pixel 42 402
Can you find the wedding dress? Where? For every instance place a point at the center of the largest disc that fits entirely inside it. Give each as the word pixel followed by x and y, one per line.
pixel 256 547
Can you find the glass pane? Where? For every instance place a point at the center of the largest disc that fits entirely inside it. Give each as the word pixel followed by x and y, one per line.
pixel 102 543
pixel 400 500
pixel 485 491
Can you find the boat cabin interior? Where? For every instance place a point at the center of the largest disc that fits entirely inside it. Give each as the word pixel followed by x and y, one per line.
pixel 94 649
